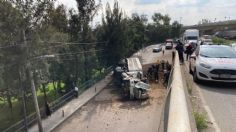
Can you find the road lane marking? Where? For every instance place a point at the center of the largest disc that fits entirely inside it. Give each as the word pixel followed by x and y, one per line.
pixel 208 110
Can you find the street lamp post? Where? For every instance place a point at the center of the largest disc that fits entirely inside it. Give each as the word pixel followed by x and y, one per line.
pixel 30 74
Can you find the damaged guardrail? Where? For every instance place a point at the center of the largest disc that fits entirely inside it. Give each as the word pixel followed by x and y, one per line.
pixel 178 117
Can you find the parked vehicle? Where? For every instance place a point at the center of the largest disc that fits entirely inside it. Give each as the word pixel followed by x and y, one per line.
pixel 191 36
pixel 231 34
pixel 157 48
pixel 169 44
pixel 169 41
pixel 206 39
pixel 213 63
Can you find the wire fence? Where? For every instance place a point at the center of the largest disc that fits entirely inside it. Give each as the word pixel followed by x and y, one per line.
pixel 55 105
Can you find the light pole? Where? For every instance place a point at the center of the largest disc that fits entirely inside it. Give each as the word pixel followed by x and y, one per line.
pixel 180 19
pixel 30 74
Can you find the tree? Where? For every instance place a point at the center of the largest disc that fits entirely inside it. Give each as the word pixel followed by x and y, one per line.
pixel 175 29
pixel 114 33
pixel 160 30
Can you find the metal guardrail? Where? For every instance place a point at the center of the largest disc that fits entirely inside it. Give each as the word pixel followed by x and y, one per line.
pixel 178 118
pixel 31 119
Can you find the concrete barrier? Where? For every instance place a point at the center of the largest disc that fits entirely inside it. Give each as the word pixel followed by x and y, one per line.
pixel 178 117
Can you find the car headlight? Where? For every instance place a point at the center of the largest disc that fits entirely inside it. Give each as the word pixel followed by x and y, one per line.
pixel 205 65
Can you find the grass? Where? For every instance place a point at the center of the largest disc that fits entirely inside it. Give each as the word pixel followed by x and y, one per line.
pixel 8 117
pixel 222 41
pixel 201 121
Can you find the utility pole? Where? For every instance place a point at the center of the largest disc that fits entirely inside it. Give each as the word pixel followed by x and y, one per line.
pixel 23 102
pixel 29 72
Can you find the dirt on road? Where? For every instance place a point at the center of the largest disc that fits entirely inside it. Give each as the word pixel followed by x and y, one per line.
pixel 109 111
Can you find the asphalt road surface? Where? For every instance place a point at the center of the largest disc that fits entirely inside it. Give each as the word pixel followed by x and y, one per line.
pixel 221 100
pixel 110 112
pixel 220 103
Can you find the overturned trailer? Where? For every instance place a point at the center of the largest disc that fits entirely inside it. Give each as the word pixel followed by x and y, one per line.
pixel 132 80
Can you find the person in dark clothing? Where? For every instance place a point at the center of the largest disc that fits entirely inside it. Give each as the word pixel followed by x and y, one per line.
pixel 189 51
pixel 156 73
pixel 166 76
pixel 149 73
pixel 180 49
pixel 47 109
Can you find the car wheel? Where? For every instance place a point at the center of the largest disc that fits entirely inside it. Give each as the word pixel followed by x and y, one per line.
pixel 195 78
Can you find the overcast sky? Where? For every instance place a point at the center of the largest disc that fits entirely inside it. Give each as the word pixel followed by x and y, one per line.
pixel 188 11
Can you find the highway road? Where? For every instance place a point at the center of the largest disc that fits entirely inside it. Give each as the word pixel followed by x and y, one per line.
pixel 110 112
pixel 219 101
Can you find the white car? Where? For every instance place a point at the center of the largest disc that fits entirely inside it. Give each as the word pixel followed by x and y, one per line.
pixel 213 63
pixel 157 49
pixel 169 45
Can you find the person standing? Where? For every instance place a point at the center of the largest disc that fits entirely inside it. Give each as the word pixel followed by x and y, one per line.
pixel 180 50
pixel 76 90
pixel 47 109
pixel 157 73
pixel 189 51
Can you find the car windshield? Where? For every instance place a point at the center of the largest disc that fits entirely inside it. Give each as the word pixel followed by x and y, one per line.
pixel 217 52
pixel 192 38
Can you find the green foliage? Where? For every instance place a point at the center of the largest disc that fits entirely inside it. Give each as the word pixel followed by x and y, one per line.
pixel 217 40
pixel 52 30
pixel 200 121
pixel 114 33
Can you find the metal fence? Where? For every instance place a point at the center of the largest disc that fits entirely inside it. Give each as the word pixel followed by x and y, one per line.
pixel 31 119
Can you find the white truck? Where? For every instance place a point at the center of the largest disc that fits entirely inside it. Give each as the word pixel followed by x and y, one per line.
pixel 132 80
pixel 191 36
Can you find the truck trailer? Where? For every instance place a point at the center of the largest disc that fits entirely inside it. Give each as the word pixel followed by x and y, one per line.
pixel 131 79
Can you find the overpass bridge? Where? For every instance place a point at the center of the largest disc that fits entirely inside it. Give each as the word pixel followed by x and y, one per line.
pixel 211 28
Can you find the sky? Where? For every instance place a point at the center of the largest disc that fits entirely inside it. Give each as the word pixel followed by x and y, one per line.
pixel 188 12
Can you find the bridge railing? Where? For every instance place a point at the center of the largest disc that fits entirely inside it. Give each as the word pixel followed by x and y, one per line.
pixel 175 115
pixel 31 119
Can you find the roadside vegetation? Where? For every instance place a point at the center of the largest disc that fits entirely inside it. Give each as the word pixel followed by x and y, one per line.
pixel 201 121
pixel 30 31
pixel 218 40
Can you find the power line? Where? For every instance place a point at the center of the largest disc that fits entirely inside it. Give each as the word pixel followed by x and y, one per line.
pixel 74 43
pixel 43 56
pixel 59 44
pixel 14 45
pixel 60 54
